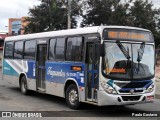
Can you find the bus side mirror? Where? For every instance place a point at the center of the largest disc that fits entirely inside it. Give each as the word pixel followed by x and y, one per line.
pixel 102 50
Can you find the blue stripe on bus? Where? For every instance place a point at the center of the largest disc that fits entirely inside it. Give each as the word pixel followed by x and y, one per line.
pixel 31 69
pixel 148 83
pixel 110 82
pixel 60 71
pixel 57 72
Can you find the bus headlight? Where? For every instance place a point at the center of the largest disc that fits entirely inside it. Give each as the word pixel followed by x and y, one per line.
pixel 150 88
pixel 108 88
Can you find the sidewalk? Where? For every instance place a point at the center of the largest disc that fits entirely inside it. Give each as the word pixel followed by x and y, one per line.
pixel 157 73
pixel 157 76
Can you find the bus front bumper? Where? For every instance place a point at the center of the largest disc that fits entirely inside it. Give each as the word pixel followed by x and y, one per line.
pixel 125 99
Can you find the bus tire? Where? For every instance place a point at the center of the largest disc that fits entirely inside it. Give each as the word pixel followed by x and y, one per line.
pixel 23 86
pixel 72 96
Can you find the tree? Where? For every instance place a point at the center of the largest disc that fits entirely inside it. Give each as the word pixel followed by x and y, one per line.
pixel 143 15
pixel 106 12
pixel 50 15
pixel 95 15
pixel 120 14
pixel 136 13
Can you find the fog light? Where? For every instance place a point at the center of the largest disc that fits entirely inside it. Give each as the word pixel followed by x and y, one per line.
pixel 144 98
pixel 119 100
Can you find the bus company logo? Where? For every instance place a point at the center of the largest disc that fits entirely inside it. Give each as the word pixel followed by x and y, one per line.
pixel 131 91
pixel 6 114
pixel 55 73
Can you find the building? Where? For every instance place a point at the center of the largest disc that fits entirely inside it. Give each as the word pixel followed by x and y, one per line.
pixel 16 26
pixel 3 35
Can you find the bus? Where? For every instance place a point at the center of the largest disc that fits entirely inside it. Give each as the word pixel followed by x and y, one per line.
pixel 100 65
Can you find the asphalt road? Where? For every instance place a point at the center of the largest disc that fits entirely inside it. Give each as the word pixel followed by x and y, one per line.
pixel 11 99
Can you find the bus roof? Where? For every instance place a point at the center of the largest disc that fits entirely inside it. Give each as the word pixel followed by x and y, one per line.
pixel 79 31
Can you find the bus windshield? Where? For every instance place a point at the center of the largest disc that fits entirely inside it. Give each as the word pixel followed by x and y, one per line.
pixel 128 61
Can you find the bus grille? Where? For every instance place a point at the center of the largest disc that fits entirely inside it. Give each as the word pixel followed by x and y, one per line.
pixel 128 91
pixel 131 84
pixel 131 98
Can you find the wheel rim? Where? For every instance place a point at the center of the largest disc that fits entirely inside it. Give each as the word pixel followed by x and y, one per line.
pixel 73 96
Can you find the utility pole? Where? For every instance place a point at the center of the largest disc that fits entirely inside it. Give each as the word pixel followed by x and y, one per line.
pixel 69 14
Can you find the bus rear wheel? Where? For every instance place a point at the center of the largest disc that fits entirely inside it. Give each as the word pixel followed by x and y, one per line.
pixel 23 85
pixel 72 97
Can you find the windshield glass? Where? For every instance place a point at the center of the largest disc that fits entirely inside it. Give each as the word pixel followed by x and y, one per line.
pixel 143 63
pixel 128 61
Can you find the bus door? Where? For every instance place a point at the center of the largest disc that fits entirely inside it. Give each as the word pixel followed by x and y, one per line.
pixel 40 71
pixel 92 71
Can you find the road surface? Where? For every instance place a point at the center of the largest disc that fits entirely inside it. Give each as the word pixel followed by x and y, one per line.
pixel 11 99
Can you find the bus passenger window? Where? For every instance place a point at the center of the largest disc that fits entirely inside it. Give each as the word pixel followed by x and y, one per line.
pixel 52 49
pixel 74 49
pixel 8 52
pixel 18 50
pixel 59 51
pixel 30 49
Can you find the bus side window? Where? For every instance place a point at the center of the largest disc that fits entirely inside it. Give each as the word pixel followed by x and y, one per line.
pixel 74 49
pixel 18 50
pixel 30 49
pixel 8 52
pixel 52 49
pixel 59 50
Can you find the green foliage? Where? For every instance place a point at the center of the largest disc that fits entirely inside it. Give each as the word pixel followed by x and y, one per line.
pixel 105 12
pixel 143 15
pixel 50 15
pixel 137 13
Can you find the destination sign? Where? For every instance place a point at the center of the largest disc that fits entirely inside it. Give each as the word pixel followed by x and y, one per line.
pixel 120 34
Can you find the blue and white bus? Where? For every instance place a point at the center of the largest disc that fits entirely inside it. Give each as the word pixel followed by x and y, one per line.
pixel 101 65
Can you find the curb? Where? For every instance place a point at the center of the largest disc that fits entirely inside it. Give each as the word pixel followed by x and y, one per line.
pixel 157 79
pixel 157 96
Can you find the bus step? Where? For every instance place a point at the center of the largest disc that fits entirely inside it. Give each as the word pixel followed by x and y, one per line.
pixel 41 90
pixel 91 102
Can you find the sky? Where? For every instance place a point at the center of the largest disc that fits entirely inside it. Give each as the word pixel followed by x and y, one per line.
pixel 20 8
pixel 14 9
pixel 156 3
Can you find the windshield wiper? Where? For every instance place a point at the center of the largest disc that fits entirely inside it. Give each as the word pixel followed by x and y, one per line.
pixel 140 52
pixel 123 49
pixel 140 55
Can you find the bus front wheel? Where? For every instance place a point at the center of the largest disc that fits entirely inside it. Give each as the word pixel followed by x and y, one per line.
pixel 72 97
pixel 23 85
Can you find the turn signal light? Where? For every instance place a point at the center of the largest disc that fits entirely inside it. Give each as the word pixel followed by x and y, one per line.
pixel 76 68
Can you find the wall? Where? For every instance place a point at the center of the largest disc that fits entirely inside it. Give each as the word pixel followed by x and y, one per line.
pixel 158 63
pixel 16 24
